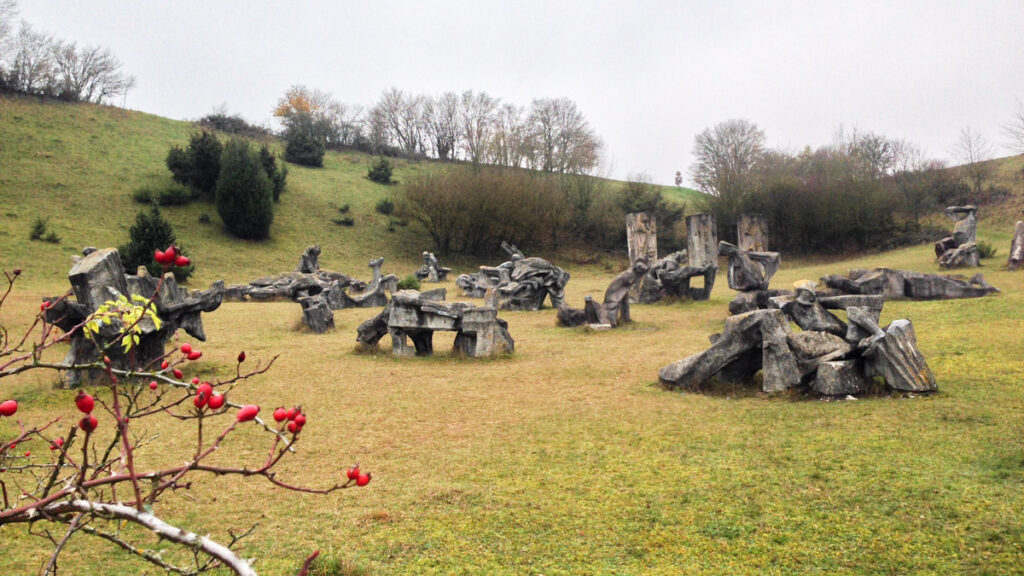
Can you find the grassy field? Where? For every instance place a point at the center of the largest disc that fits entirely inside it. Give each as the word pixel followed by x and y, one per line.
pixel 565 458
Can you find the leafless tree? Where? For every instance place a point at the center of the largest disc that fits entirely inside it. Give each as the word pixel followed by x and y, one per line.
pixel 402 118
pixel 563 140
pixel 30 69
pixel 89 74
pixel 441 124
pixel 511 139
pixel 725 157
pixel 476 115
pixel 973 151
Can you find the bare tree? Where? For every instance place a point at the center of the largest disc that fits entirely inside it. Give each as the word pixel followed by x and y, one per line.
pixel 90 74
pixel 476 115
pixel 510 141
pixel 1015 129
pixel 402 119
pixel 973 152
pixel 563 140
pixel 441 124
pixel 726 156
pixel 31 66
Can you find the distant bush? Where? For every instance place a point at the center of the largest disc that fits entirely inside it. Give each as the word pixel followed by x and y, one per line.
pixel 278 175
pixel 305 142
pixel 198 165
pixel 232 124
pixel 410 282
pixel 346 221
pixel 40 231
pixel 171 195
pixel 244 194
pixel 986 249
pixel 386 207
pixel 380 171
pixel 204 218
pixel 472 210
pixel 149 234
pixel 344 209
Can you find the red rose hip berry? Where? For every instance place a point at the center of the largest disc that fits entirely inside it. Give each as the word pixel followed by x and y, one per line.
pixel 85 402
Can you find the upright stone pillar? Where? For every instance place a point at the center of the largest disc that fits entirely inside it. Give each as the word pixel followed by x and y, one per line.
pixel 702 251
pixel 1016 247
pixel 752 233
pixel 641 237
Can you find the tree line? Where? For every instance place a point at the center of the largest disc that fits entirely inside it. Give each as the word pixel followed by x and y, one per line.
pixel 551 135
pixel 39 64
pixel 862 191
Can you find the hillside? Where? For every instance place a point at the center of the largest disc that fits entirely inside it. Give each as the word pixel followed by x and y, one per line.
pixel 77 166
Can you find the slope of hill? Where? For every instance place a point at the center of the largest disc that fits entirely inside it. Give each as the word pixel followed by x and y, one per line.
pixel 77 166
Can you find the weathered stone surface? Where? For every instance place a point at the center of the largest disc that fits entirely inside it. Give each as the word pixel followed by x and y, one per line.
pixel 316 314
pixel 813 345
pixel 310 260
pixel 960 249
pixel 808 314
pixel 749 270
pixel 752 233
pixel 963 255
pixel 756 300
pixel 615 309
pixel 781 369
pixel 899 284
pixel 741 335
pixel 531 281
pixel 1016 247
pixel 99 277
pixel 414 316
pixel 896 358
pixel 840 378
pixel 432 271
pixel 641 237
pixel 921 286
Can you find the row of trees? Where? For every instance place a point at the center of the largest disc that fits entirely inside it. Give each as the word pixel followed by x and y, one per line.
pixel 471 211
pixel 864 190
pixel 552 135
pixel 36 63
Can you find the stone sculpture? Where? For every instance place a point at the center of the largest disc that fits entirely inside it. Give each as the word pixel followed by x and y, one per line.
pixel 518 284
pixel 99 277
pixel 752 233
pixel 961 248
pixel 415 316
pixel 432 271
pixel 1016 247
pixel 672 275
pixel 827 356
pixel 615 308
pixel 902 284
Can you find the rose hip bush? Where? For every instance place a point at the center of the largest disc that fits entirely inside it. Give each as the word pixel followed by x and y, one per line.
pixel 88 482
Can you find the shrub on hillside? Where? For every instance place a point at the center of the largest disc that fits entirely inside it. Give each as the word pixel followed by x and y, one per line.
pixel 198 165
pixel 380 171
pixel 244 193
pixel 278 175
pixel 385 207
pixel 232 124
pixel 472 210
pixel 41 231
pixel 171 195
pixel 410 282
pixel 305 143
pixel 149 234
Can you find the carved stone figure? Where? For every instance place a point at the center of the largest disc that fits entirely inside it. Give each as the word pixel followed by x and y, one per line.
pixel 749 270
pixel 432 271
pixel 99 277
pixel 309 263
pixel 615 309
pixel 901 284
pixel 1016 247
pixel 828 356
pixel 752 233
pixel 641 237
pixel 415 316
pixel 960 249
pixel 518 284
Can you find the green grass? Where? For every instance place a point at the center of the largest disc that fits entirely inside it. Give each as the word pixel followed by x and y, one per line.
pixel 682 195
pixel 565 458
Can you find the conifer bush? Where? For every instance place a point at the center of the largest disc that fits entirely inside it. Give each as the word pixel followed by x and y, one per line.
pixel 149 234
pixel 244 194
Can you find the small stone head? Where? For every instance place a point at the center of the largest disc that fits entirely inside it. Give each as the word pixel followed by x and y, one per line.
pixel 805 292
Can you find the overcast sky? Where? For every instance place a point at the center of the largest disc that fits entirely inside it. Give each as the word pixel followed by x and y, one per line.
pixel 648 75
